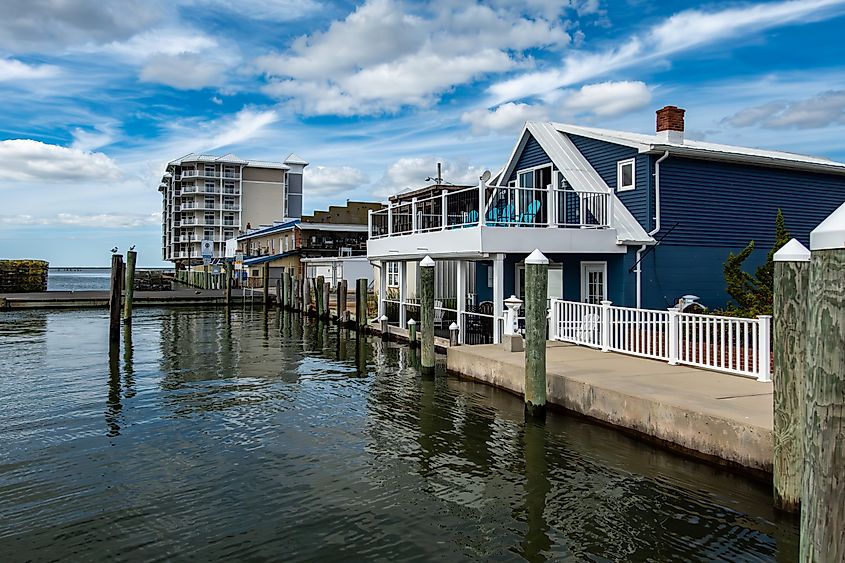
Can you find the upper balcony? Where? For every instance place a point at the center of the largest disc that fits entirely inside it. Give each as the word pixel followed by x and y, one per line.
pixel 226 174
pixel 481 220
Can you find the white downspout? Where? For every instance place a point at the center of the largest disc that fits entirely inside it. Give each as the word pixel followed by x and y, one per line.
pixel 656 229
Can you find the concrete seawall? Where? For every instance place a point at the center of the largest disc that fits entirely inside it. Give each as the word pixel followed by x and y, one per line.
pixel 723 418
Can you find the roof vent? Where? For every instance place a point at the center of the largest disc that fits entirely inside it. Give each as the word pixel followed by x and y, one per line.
pixel 670 124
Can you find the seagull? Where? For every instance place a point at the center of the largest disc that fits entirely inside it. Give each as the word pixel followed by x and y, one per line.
pixel 113 250
pixel 132 247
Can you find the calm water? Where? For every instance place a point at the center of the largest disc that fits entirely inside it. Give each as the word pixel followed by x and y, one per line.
pixel 84 280
pixel 253 437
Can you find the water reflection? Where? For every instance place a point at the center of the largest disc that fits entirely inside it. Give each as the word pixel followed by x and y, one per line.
pixel 278 434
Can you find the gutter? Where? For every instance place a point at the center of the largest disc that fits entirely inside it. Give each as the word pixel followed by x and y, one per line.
pixel 656 229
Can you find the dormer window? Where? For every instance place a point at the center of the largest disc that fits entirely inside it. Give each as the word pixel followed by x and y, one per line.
pixel 625 175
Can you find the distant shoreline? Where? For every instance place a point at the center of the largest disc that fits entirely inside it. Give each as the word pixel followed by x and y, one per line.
pixel 88 268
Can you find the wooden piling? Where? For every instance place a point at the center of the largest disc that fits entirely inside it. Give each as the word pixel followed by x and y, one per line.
pixel 114 299
pixel 265 274
pixel 327 311
pixel 296 292
pixel 536 293
pixel 228 291
pixel 306 295
pixel 823 484
pixel 361 303
pixel 318 296
pixel 279 292
pixel 427 314
pixel 341 302
pixel 286 289
pixel 791 280
pixel 131 256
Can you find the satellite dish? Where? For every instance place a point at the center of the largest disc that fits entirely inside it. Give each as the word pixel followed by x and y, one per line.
pixel 485 176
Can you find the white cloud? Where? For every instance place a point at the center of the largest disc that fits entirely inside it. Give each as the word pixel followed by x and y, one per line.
pixel 322 181
pixel 680 32
pixel 97 220
pixel 244 126
pixel 506 118
pixel 822 110
pixel 608 98
pixel 88 140
pixel 50 25
pixel 386 55
pixel 186 71
pixel 162 41
pixel 274 10
pixel 14 70
pixel 29 160
pixel 412 173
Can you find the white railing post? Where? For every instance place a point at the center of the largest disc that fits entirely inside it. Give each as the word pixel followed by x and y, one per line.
pixel 403 293
pixel 481 202
pixel 551 201
pixel 609 210
pixel 605 325
pixel 414 215
pixel 389 219
pixel 673 336
pixel 764 351
pixel 444 212
pixel 554 324
pixel 370 222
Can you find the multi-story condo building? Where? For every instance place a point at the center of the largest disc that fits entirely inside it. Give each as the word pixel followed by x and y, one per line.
pixel 215 198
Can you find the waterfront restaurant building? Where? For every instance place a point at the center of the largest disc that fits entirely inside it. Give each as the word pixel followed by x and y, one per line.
pixel 641 220
pixel 216 198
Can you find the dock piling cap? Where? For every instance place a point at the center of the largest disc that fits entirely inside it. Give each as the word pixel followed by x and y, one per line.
pixel 793 251
pixel 536 257
pixel 830 234
pixel 427 262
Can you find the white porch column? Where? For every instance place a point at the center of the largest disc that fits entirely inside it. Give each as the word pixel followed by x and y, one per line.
pixel 461 282
pixel 403 294
pixel 498 294
pixel 382 287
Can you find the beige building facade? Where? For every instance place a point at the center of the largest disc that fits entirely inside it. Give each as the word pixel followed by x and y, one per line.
pixel 216 198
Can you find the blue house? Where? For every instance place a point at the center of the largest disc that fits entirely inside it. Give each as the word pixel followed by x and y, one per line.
pixel 639 220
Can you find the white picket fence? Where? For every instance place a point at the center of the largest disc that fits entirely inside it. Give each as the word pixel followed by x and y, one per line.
pixel 729 344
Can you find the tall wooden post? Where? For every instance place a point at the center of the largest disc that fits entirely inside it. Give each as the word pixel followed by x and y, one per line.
pixel 361 303
pixel 341 302
pixel 286 289
pixel 427 314
pixel 327 312
pixel 318 296
pixel 131 256
pixel 791 280
pixel 279 292
pixel 114 299
pixel 206 278
pixel 536 292
pixel 823 486
pixel 306 295
pixel 228 289
pixel 265 274
pixel 296 292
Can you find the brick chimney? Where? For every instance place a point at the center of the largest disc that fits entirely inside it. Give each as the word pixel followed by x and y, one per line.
pixel 670 124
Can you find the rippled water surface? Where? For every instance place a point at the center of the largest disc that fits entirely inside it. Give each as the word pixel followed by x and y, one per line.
pixel 267 437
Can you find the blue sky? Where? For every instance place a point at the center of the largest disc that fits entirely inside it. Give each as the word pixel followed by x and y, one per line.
pixel 98 95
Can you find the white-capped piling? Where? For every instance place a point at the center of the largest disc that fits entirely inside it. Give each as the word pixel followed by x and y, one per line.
pixel 536 292
pixel 427 314
pixel 791 280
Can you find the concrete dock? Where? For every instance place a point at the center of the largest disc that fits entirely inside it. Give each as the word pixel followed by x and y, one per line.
pixel 71 299
pixel 727 419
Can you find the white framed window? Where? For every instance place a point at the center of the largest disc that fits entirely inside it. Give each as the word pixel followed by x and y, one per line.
pixel 393 274
pixel 625 175
pixel 593 282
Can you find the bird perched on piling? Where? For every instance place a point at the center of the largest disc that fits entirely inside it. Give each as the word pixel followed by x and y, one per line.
pixel 114 250
pixel 132 247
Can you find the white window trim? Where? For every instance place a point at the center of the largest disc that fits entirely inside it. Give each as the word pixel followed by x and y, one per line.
pixel 533 169
pixel 619 165
pixel 584 266
pixel 392 275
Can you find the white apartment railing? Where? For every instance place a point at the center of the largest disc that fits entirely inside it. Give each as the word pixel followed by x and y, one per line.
pixel 512 206
pixel 728 344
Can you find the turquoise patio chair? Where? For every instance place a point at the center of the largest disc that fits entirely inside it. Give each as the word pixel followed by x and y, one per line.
pixel 471 218
pixel 530 213
pixel 500 216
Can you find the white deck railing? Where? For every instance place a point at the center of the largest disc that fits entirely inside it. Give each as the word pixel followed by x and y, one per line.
pixel 729 344
pixel 511 206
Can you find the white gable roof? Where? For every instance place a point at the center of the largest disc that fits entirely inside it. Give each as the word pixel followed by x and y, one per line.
pixel 702 149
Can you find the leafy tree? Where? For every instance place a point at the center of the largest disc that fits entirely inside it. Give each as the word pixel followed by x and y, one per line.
pixel 753 295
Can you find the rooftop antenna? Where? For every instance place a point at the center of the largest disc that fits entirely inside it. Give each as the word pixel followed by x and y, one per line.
pixel 438 180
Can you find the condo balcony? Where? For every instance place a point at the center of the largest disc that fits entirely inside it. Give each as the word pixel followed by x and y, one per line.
pixel 479 220
pixel 189 174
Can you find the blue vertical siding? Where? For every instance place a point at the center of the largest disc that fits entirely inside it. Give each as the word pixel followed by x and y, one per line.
pixel 716 208
pixel 532 155
pixel 603 156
